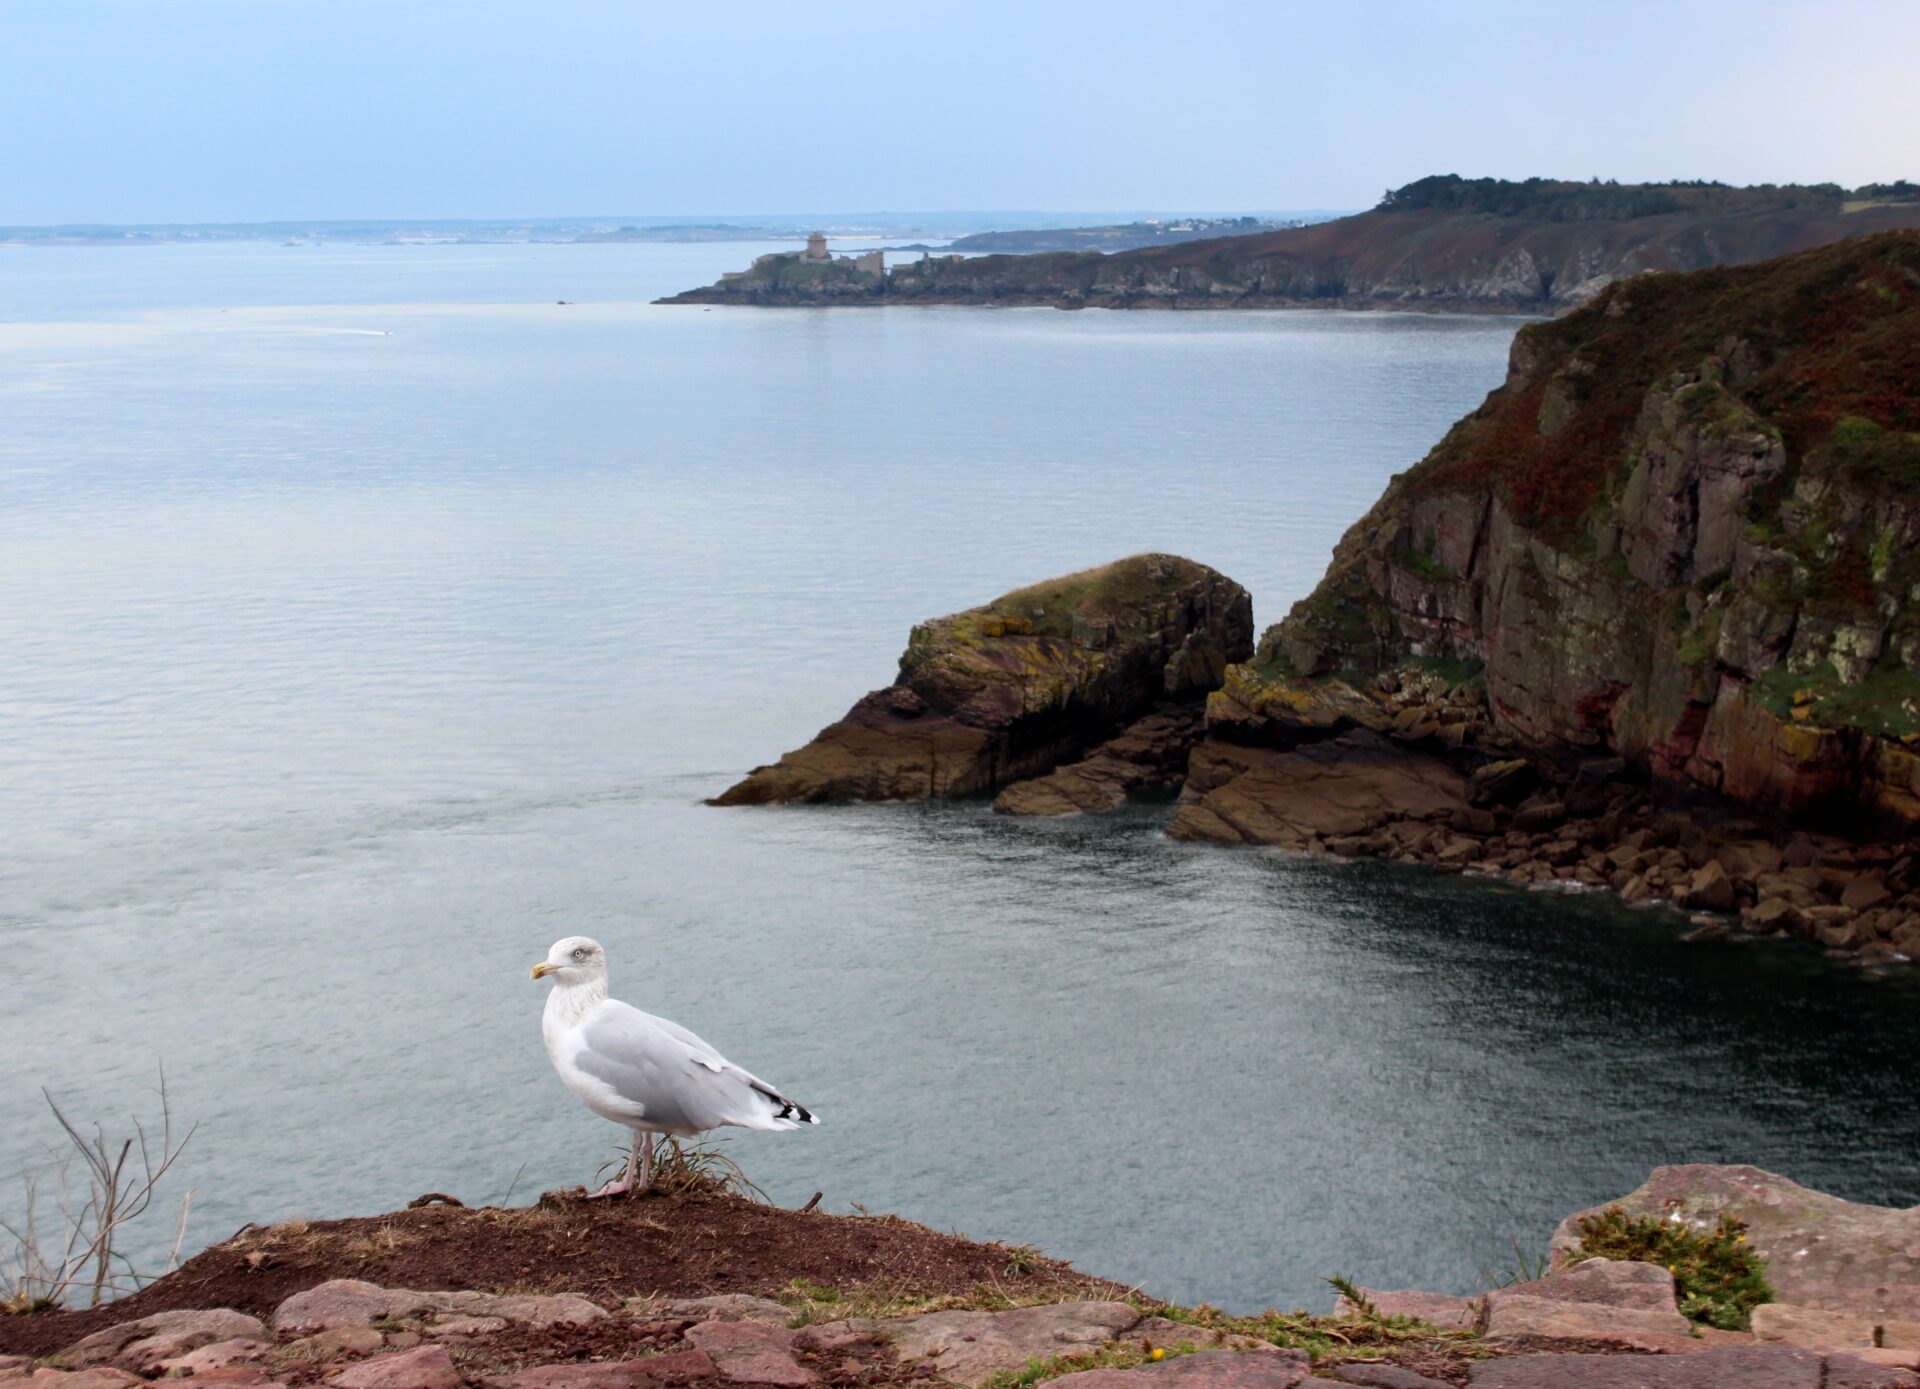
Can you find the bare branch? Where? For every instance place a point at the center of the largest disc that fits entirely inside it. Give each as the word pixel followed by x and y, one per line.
pixel 49 1267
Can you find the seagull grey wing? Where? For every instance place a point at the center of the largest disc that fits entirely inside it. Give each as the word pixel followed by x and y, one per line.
pixel 675 1082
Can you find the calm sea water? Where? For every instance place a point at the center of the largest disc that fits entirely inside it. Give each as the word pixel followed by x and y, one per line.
pixel 369 619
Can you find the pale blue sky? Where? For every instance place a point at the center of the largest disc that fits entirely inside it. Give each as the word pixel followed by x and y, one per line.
pixel 207 110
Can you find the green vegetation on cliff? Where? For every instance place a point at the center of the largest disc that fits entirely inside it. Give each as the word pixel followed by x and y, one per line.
pixel 1597 200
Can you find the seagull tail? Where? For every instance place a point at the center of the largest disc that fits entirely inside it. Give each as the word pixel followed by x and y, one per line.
pixel 787 1114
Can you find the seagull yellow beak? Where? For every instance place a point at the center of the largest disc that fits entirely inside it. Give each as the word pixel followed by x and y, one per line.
pixel 542 970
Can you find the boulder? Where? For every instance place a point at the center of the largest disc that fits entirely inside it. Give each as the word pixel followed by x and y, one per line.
pixel 1709 889
pixel 1812 1327
pixel 348 1302
pixel 337 1341
pixel 1353 784
pixel 1377 1377
pixel 425 1367
pixel 719 1307
pixel 1597 1299
pixel 1719 1367
pixel 1772 914
pixel 1865 893
pixel 96 1377
pixel 668 1371
pixel 1022 685
pixel 218 1356
pixel 163 1336
pixel 521 1309
pixel 1822 1252
pixel 1215 1369
pixel 970 1347
pixel 1506 782
pixel 1539 814
pixel 751 1352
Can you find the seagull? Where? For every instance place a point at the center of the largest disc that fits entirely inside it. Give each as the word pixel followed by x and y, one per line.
pixel 649 1074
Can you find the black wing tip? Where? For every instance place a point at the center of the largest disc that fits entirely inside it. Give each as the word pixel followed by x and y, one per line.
pixel 785 1108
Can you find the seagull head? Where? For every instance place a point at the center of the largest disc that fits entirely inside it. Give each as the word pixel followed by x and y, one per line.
pixel 575 960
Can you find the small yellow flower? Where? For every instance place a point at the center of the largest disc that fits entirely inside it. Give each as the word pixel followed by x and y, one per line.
pixel 1158 1354
pixel 1739 1239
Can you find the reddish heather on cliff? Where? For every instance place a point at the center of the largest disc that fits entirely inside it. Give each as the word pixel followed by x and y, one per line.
pixel 1686 529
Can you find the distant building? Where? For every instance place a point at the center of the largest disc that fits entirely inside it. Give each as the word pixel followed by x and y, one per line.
pixel 816 252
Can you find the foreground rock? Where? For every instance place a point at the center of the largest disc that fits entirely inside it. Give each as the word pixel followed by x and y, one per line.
pixel 1023 685
pixel 1822 1252
pixel 163 1336
pixel 1599 1299
pixel 352 1333
pixel 1219 1369
pixel 970 1347
pixel 1722 1367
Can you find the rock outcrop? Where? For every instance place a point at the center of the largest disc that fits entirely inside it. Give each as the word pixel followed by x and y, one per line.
pixel 1534 251
pixel 1587 1324
pixel 1023 685
pixel 1838 1257
pixel 1683 533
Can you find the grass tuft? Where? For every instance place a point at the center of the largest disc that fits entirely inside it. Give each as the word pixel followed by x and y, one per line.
pixel 1718 1277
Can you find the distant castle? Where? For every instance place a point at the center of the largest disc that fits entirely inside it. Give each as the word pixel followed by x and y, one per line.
pixel 871 262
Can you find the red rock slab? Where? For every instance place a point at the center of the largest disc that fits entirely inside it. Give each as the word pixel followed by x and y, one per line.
pixel 748 1352
pixel 1210 1369
pixel 426 1367
pixel 647 1372
pixel 1723 1367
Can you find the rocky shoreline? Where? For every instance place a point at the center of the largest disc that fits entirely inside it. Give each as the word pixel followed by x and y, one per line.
pixel 572 1294
pixel 1416 770
pixel 1647 621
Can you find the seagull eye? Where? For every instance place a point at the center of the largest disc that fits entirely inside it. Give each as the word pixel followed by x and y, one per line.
pixel 580 954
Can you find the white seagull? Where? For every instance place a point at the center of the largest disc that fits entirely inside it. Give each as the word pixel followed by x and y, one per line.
pixel 649 1074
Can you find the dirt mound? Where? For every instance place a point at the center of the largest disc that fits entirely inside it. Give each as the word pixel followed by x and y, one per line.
pixel 685 1245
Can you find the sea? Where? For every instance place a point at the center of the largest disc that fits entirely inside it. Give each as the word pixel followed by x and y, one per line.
pixel 372 616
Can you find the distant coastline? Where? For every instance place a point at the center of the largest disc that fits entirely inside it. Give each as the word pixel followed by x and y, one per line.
pixel 1476 245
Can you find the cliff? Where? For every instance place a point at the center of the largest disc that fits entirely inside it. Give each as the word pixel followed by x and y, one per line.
pixel 1682 533
pixel 1444 243
pixel 1023 684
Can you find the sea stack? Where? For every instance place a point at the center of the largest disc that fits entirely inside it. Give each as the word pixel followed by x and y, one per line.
pixel 1023 684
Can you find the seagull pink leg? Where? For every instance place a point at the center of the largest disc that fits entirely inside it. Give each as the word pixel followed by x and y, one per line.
pixel 646 1165
pixel 625 1184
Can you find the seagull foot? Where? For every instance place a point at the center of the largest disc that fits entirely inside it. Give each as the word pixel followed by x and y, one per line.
pixel 612 1189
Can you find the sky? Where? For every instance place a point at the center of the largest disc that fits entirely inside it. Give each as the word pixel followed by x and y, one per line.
pixel 123 111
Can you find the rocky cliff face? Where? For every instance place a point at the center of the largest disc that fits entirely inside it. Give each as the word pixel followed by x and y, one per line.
pixel 1026 683
pixel 1683 532
pixel 1386 258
